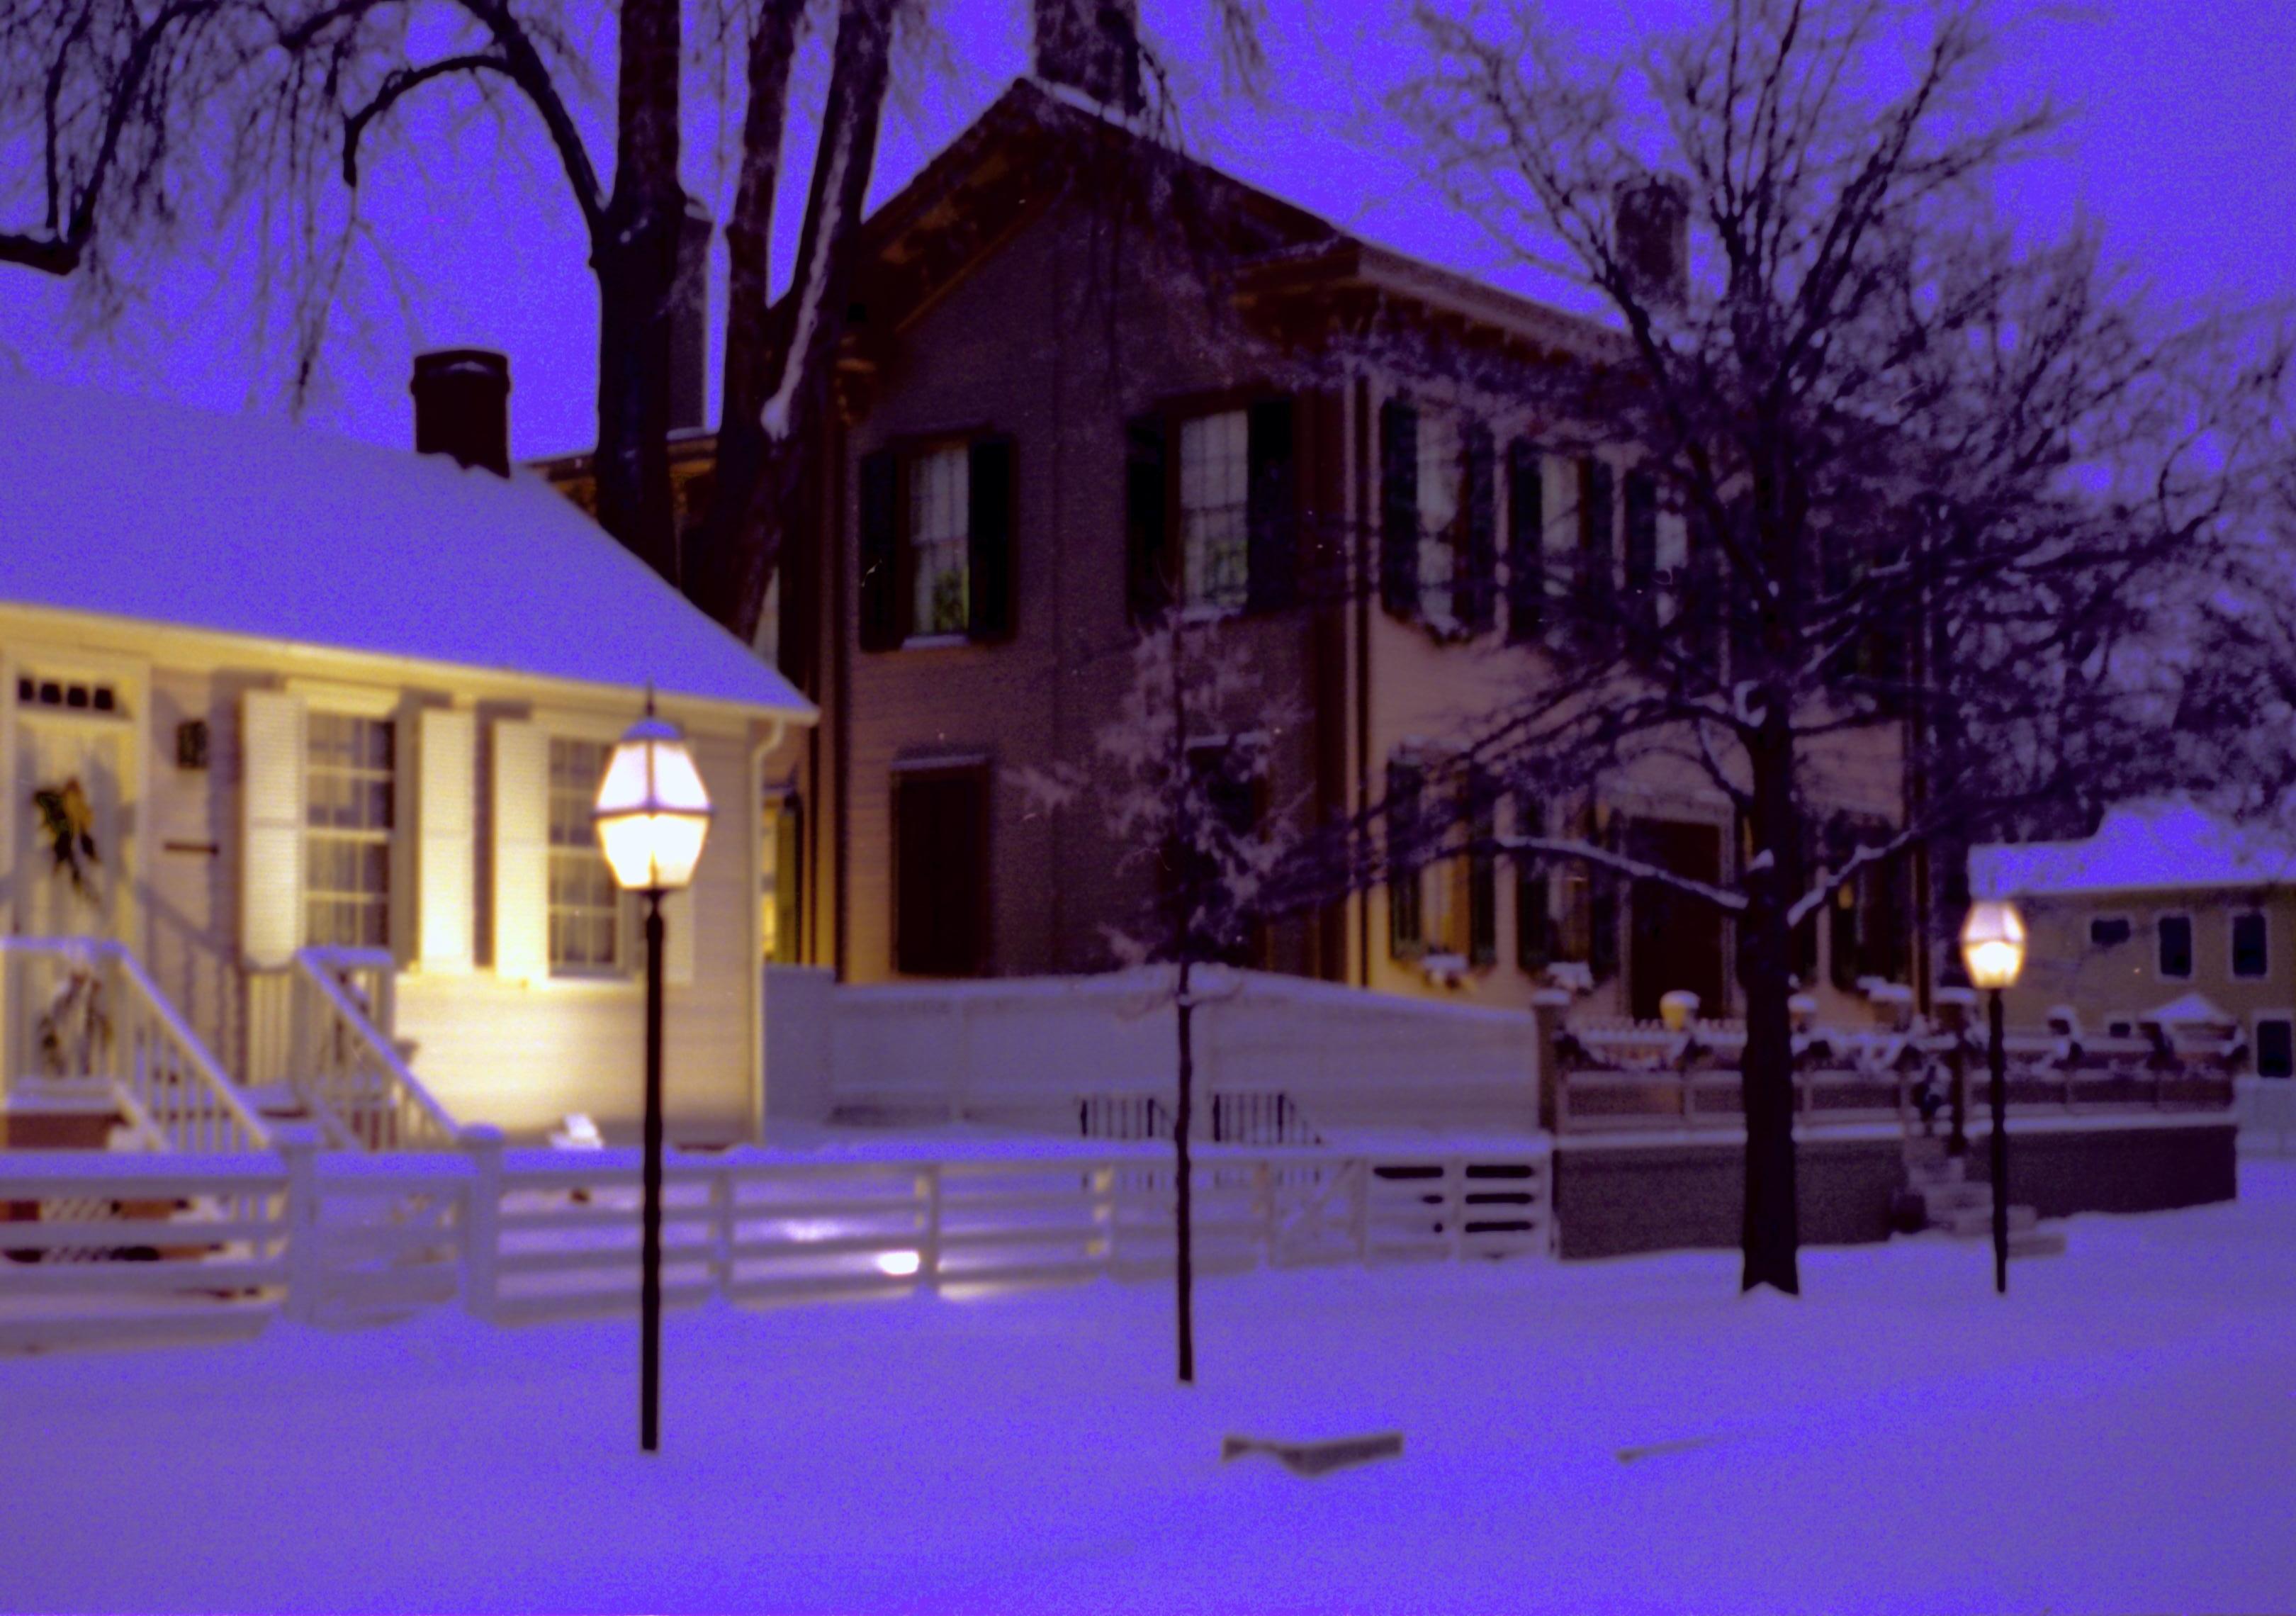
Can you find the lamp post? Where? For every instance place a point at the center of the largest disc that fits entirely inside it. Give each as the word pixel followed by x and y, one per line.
pixel 1993 948
pixel 651 816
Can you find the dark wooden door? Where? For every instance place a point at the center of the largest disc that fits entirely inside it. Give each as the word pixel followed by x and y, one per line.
pixel 940 873
pixel 1674 940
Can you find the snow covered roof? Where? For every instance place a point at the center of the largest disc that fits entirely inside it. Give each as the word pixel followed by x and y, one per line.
pixel 2193 1009
pixel 131 508
pixel 2145 846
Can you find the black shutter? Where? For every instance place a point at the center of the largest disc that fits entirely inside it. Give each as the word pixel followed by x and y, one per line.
pixel 1534 925
pixel 1406 936
pixel 988 540
pixel 1398 508
pixel 1482 865
pixel 1596 580
pixel 1148 574
pixel 883 623
pixel 1476 599
pixel 1271 510
pixel 1526 543
pixel 1642 550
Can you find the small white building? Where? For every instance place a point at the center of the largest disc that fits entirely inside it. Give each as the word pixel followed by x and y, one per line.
pixel 278 710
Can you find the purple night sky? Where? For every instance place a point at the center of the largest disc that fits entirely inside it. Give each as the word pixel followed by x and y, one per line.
pixel 2182 146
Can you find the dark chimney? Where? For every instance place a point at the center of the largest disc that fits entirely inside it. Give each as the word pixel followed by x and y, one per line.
pixel 1654 239
pixel 689 323
pixel 1094 47
pixel 462 406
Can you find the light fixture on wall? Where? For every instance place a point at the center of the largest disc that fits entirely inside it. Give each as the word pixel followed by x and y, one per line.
pixel 651 816
pixel 1993 949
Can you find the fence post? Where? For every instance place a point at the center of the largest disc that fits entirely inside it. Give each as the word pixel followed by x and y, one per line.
pixel 1546 1007
pixel 721 1230
pixel 1263 1189
pixel 481 1217
pixel 297 1145
pixel 929 1252
pixel 1359 1209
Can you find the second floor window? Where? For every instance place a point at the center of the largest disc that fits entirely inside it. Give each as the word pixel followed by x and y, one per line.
pixel 936 543
pixel 2174 934
pixel 1439 502
pixel 2249 952
pixel 351 787
pixel 1439 530
pixel 1215 510
pixel 939 537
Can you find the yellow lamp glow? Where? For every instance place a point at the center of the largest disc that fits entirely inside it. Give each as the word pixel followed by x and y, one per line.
pixel 1993 944
pixel 653 814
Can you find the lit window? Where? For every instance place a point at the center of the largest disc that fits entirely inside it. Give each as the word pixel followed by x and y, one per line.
pixel 781 873
pixel 350 810
pixel 1439 502
pixel 586 906
pixel 1215 485
pixel 941 493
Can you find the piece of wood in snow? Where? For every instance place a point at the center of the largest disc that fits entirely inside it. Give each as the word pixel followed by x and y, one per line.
pixel 1317 1458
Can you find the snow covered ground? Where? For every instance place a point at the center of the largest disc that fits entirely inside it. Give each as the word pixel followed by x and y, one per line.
pixel 2119 1435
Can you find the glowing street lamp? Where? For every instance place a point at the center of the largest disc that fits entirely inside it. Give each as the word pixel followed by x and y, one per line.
pixel 1993 949
pixel 651 816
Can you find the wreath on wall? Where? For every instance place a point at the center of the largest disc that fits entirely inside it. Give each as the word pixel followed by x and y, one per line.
pixel 68 830
pixel 74 1027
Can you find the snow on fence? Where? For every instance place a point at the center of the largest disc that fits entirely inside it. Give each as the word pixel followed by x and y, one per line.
pixel 1027 1052
pixel 102 1249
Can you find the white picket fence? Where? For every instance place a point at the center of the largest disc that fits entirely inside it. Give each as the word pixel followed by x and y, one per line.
pixel 131 1249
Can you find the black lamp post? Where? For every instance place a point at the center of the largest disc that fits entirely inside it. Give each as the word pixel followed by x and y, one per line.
pixel 1993 948
pixel 651 816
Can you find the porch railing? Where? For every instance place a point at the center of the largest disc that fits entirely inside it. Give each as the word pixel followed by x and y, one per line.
pixel 342 1062
pixel 85 1021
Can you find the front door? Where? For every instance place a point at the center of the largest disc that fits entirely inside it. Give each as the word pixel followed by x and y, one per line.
pixel 1674 940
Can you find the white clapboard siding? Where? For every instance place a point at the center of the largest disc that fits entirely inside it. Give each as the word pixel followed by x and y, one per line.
pixel 677 938
pixel 272 752
pixel 445 861
pixel 521 851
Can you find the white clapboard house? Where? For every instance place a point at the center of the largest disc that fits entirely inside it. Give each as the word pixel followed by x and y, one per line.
pixel 297 747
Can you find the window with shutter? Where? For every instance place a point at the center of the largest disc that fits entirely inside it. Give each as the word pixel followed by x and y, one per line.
pixel 2251 955
pixel 1398 518
pixel 447 831
pixel 2173 934
pixel 520 820
pixel 939 526
pixel 1274 514
pixel 1526 502
pixel 989 540
pixel 1477 604
pixel 940 886
pixel 1406 938
pixel 350 796
pixel 936 543
pixel 271 827
pixel 1148 570
pixel 1442 502
pixel 588 931
pixel 1597 554
pixel 1215 510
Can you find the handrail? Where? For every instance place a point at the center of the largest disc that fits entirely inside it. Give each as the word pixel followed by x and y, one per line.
pixel 345 1067
pixel 148 1058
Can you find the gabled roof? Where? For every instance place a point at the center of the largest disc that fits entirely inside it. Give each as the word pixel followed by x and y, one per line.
pixel 1274 244
pixel 128 508
pixel 2162 846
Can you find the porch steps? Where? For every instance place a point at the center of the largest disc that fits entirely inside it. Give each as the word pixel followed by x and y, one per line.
pixel 1953 1205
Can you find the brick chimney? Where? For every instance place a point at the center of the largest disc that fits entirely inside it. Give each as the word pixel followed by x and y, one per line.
pixel 1653 238
pixel 1092 46
pixel 689 323
pixel 462 406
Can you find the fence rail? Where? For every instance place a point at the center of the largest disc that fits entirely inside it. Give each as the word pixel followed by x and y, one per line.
pixel 1595 1100
pixel 109 1248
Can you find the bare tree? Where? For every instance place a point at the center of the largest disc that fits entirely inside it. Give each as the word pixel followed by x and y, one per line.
pixel 1180 782
pixel 1904 493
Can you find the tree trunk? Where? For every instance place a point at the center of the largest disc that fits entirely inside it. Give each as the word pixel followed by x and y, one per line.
pixel 1771 1236
pixel 635 257
pixel 749 370
pixel 767 448
pixel 1182 1119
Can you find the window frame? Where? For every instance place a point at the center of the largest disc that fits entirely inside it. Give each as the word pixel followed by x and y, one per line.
pixel 2107 917
pixel 2192 946
pixel 1185 600
pixel 909 459
pixel 2286 1018
pixel 629 950
pixel 385 713
pixel 2263 918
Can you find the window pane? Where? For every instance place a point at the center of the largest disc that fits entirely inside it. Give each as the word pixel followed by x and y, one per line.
pixel 1214 483
pixel 2175 946
pixel 1439 502
pixel 2248 946
pixel 585 904
pixel 349 797
pixel 941 493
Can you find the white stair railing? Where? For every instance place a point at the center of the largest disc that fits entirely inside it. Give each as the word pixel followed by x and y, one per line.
pixel 345 1066
pixel 85 1014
